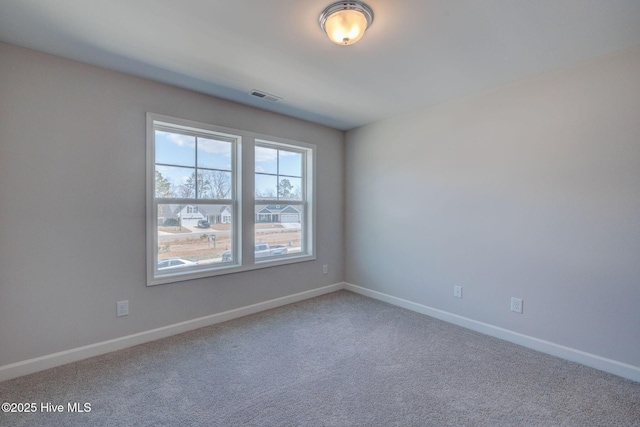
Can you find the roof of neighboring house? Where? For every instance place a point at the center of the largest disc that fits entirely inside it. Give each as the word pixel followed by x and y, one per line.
pixel 172 210
pixel 276 209
pixel 168 211
pixel 214 209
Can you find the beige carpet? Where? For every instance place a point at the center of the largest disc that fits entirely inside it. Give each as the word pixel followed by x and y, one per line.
pixel 337 360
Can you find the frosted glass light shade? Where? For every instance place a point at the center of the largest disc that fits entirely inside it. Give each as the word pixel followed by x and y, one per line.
pixel 346 22
pixel 346 26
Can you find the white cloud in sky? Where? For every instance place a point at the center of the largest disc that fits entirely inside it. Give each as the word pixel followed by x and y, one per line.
pixel 214 147
pixel 269 154
pixel 266 154
pixel 182 140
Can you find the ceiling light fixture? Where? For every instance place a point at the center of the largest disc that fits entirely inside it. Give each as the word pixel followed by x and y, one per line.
pixel 346 21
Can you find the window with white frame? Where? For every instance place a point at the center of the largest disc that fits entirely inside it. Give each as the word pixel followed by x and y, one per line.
pixel 194 201
pixel 281 199
pixel 193 195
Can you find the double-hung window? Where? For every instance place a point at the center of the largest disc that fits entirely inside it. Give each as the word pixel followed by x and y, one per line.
pixel 194 188
pixel 281 193
pixel 198 223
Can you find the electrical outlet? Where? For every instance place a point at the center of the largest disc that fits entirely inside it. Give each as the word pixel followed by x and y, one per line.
pixel 122 308
pixel 516 305
pixel 457 291
pixel 325 269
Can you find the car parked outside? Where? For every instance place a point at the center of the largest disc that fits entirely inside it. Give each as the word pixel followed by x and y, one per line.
pixel 170 263
pixel 261 250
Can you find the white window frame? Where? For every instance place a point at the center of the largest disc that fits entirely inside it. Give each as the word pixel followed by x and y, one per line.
pixel 242 202
pixel 307 221
pixel 155 277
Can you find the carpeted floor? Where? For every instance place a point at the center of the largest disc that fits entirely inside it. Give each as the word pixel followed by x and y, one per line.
pixel 337 360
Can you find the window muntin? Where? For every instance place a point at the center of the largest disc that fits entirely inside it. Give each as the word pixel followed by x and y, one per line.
pixel 194 165
pixel 279 172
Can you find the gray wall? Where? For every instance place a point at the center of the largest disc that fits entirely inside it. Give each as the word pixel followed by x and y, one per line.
pixel 531 190
pixel 72 206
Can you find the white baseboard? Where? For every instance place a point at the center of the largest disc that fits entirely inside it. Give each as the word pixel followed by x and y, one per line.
pixel 608 365
pixel 37 364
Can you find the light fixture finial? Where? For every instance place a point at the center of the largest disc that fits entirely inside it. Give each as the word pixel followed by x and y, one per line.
pixel 345 22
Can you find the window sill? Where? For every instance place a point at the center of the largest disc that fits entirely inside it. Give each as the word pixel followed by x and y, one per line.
pixel 230 269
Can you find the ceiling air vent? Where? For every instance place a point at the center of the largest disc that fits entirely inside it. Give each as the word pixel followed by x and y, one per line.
pixel 265 95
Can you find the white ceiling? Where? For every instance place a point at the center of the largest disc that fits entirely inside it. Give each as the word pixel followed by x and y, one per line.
pixel 417 53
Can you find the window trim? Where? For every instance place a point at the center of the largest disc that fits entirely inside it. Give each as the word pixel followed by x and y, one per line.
pixel 243 211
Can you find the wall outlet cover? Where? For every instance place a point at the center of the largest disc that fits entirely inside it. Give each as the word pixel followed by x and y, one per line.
pixel 122 308
pixel 457 291
pixel 516 305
